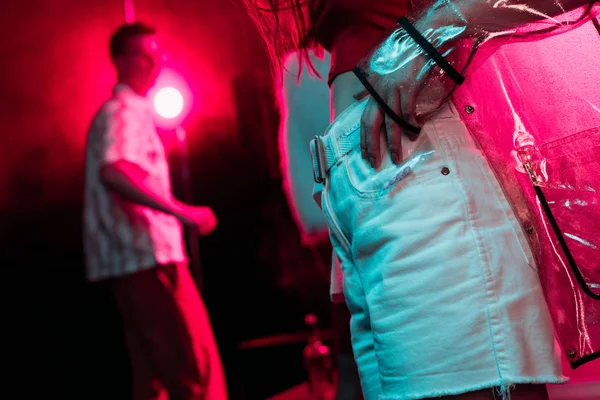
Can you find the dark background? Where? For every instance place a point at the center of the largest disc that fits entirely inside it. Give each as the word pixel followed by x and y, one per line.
pixel 61 337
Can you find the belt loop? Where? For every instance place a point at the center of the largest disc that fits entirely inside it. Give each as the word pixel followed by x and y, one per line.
pixel 316 150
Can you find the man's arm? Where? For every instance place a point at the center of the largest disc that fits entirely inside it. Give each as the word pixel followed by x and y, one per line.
pixel 121 169
pixel 127 180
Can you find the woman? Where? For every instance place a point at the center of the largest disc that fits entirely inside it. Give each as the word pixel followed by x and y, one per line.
pixel 304 102
pixel 442 285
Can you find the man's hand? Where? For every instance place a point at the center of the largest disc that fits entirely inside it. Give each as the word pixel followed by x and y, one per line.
pixel 202 219
pixel 129 181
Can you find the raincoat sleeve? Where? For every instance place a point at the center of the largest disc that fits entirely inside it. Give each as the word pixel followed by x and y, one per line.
pixel 430 51
pixel 534 110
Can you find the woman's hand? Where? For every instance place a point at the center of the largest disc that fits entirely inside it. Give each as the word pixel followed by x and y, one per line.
pixel 399 91
pixel 413 86
pixel 410 84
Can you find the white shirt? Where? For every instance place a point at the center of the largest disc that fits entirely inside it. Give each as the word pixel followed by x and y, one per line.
pixel 121 237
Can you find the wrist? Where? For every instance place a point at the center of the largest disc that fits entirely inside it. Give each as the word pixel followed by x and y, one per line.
pixel 437 41
pixel 178 210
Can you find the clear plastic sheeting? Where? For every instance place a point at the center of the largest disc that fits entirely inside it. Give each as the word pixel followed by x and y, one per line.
pixel 536 118
pixel 422 150
pixel 531 99
pixel 566 172
pixel 465 33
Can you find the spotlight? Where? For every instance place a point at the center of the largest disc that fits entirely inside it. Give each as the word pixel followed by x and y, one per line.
pixel 168 102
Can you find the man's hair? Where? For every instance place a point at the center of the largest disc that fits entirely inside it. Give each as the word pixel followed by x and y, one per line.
pixel 118 41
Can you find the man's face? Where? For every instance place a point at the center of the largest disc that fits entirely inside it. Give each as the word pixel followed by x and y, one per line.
pixel 142 62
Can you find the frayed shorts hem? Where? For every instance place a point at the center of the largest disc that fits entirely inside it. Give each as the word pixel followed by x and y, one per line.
pixel 504 386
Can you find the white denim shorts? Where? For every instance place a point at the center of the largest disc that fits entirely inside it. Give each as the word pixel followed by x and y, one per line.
pixel 438 274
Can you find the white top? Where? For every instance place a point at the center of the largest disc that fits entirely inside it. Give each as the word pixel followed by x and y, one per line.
pixel 121 237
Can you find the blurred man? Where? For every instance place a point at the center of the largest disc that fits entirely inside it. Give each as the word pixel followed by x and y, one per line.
pixel 133 235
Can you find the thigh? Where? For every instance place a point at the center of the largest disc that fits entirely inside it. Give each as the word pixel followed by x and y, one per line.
pixel 530 392
pixel 198 333
pixel 153 311
pixel 146 382
pixel 149 306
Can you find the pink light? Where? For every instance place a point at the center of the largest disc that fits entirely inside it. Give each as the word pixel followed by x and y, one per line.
pixel 168 102
pixel 171 99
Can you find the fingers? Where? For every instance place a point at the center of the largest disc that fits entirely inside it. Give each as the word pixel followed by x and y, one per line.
pixel 213 224
pixel 202 220
pixel 209 224
pixel 360 95
pixel 206 228
pixel 370 128
pixel 408 107
pixel 393 130
pixel 407 114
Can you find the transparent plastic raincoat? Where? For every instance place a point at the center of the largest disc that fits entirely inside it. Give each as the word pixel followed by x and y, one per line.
pixel 525 76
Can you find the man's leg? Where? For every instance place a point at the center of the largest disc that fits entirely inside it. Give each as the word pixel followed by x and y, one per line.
pixel 172 326
pixel 203 347
pixel 146 383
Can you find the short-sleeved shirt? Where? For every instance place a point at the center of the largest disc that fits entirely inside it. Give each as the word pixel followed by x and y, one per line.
pixel 121 237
